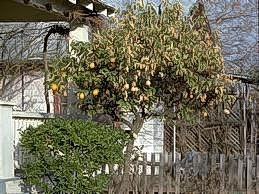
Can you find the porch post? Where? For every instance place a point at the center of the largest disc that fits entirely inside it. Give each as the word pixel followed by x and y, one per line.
pixel 6 141
pixel 79 33
pixel 8 183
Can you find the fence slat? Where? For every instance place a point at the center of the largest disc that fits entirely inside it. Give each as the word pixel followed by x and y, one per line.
pixel 144 174
pixel 204 171
pixel 161 173
pixel 177 174
pixel 232 177
pixel 169 172
pixel 222 173
pixel 240 173
pixel 153 163
pixel 248 174
pixel 213 169
pixel 137 182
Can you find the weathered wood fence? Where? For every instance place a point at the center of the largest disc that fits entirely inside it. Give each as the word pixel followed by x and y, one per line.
pixel 156 172
pixel 195 173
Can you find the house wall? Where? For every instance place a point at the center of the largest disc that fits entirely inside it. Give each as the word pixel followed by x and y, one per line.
pixel 21 63
pixel 27 93
pixel 151 136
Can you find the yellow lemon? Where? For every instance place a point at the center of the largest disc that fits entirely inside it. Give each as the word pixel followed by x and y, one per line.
pixel 134 89
pixel 148 83
pixel 92 65
pixel 54 87
pixel 96 92
pixel 82 96
pixel 126 86
pixel 205 114
pixel 127 69
pixel 113 60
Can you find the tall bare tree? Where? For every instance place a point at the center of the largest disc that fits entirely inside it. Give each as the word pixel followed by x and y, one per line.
pixel 237 23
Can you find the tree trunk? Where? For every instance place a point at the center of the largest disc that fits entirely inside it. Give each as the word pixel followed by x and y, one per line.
pixel 136 127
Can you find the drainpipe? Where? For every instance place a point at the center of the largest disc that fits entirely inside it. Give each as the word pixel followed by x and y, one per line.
pixel 64 31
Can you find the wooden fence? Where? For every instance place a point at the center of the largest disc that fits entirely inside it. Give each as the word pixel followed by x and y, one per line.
pixel 195 173
pixel 156 172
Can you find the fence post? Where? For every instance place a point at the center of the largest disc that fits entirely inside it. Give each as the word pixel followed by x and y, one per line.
pixel 8 183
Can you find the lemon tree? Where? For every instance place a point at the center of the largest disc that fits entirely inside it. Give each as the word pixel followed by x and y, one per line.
pixel 145 60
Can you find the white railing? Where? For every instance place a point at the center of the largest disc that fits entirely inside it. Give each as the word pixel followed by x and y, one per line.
pixel 21 121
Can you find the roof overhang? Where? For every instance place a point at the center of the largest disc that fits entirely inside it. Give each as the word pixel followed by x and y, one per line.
pixel 98 6
pixel 49 10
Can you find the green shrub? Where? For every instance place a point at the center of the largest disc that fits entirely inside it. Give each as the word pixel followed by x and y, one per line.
pixel 65 154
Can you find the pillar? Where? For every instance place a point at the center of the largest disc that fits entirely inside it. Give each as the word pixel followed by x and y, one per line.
pixel 6 141
pixel 8 183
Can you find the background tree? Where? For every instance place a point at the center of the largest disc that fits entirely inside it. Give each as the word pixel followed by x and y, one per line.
pixel 146 64
pixel 236 22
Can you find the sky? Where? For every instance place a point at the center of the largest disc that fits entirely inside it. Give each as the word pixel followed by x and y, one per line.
pixel 118 3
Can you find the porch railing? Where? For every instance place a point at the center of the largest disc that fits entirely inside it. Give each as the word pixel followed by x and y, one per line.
pixel 21 121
